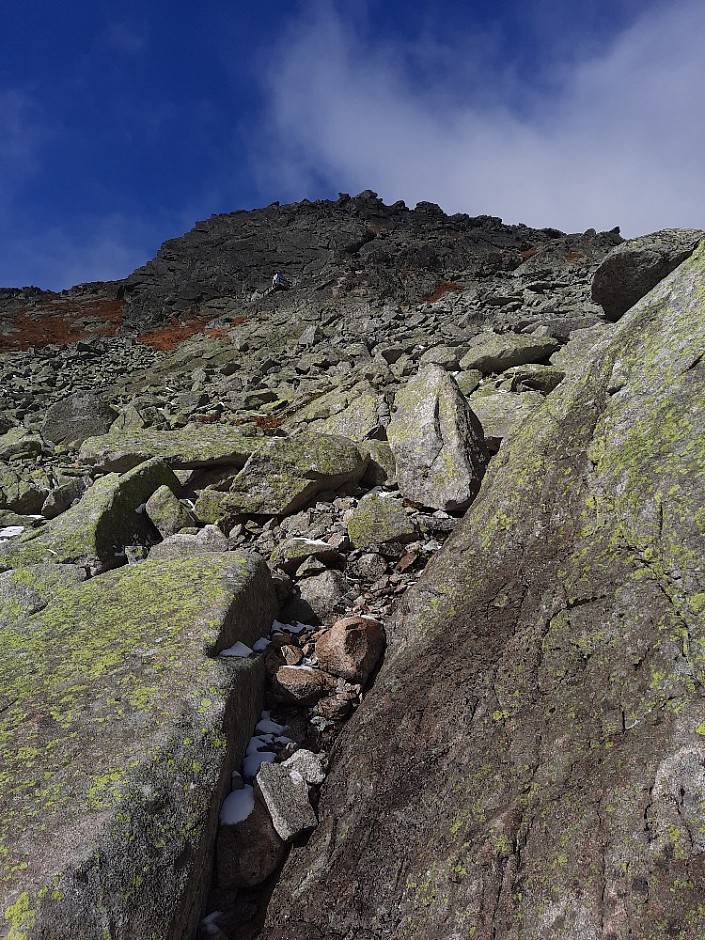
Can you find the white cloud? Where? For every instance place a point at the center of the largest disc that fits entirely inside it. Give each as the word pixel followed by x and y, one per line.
pixel 57 257
pixel 126 37
pixel 24 131
pixel 608 137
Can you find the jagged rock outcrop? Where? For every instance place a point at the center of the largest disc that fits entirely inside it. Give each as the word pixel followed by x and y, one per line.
pixel 549 781
pixel 631 270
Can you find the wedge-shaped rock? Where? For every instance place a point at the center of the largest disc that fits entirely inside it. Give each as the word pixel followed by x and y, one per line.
pixel 196 445
pixel 285 794
pixel 437 442
pixel 549 674
pixel 117 737
pixel 287 472
pixel 636 266
pixel 167 513
pixel 495 352
pixel 96 530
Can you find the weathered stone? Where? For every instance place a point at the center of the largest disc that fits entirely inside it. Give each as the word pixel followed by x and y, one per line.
pixel 22 489
pixel 181 545
pixel 495 352
pixel 76 417
pixel 447 356
pixel 633 268
pixel 119 739
pixel 300 683
pixel 64 496
pixel 437 442
pixel 248 851
pixel 378 519
pixel 352 413
pixel 167 513
pixel 289 554
pixel 319 598
pixel 286 473
pixel 576 355
pixel 285 794
pixel 467 382
pixel 24 591
pixel 381 466
pixel 96 530
pixel 20 443
pixel 351 648
pixel 531 377
pixel 311 766
pixel 195 445
pixel 502 412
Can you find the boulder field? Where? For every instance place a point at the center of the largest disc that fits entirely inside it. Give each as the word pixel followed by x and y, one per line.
pixel 367 608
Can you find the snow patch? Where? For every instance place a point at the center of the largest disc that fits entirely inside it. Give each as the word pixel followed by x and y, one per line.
pixel 237 649
pixel 237 806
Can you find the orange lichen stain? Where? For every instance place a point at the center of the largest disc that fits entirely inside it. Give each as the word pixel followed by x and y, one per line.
pixel 267 421
pixel 61 321
pixel 443 288
pixel 529 252
pixel 172 335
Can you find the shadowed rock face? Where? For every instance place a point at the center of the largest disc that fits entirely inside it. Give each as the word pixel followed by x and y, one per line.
pixel 530 763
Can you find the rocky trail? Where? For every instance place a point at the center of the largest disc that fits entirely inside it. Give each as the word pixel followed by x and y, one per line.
pixel 349 609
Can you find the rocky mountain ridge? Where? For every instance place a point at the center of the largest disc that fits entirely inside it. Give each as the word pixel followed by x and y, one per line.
pixel 215 496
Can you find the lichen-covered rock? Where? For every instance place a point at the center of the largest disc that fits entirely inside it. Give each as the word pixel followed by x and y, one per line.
pixel 167 513
pixel 118 738
pixel 437 442
pixel 531 377
pixel 96 530
pixel 285 473
pixel 20 443
pixel 500 413
pixel 353 414
pixel 495 352
pixel 23 489
pixel 377 520
pixel 575 356
pixel 546 680
pixel 180 545
pixel 289 554
pixel 381 466
pixel 63 496
pixel 195 445
pixel 633 268
pixel 76 417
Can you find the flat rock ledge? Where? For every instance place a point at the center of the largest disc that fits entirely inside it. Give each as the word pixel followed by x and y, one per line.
pixel 119 735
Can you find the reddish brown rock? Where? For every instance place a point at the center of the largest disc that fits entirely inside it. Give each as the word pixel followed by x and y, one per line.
pixel 249 851
pixel 300 683
pixel 351 648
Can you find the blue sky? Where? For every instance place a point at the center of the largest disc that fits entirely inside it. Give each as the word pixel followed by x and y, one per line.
pixel 122 123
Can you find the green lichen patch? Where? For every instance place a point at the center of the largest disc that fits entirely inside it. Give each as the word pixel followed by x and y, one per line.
pixel 107 689
pixel 195 445
pixel 96 530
